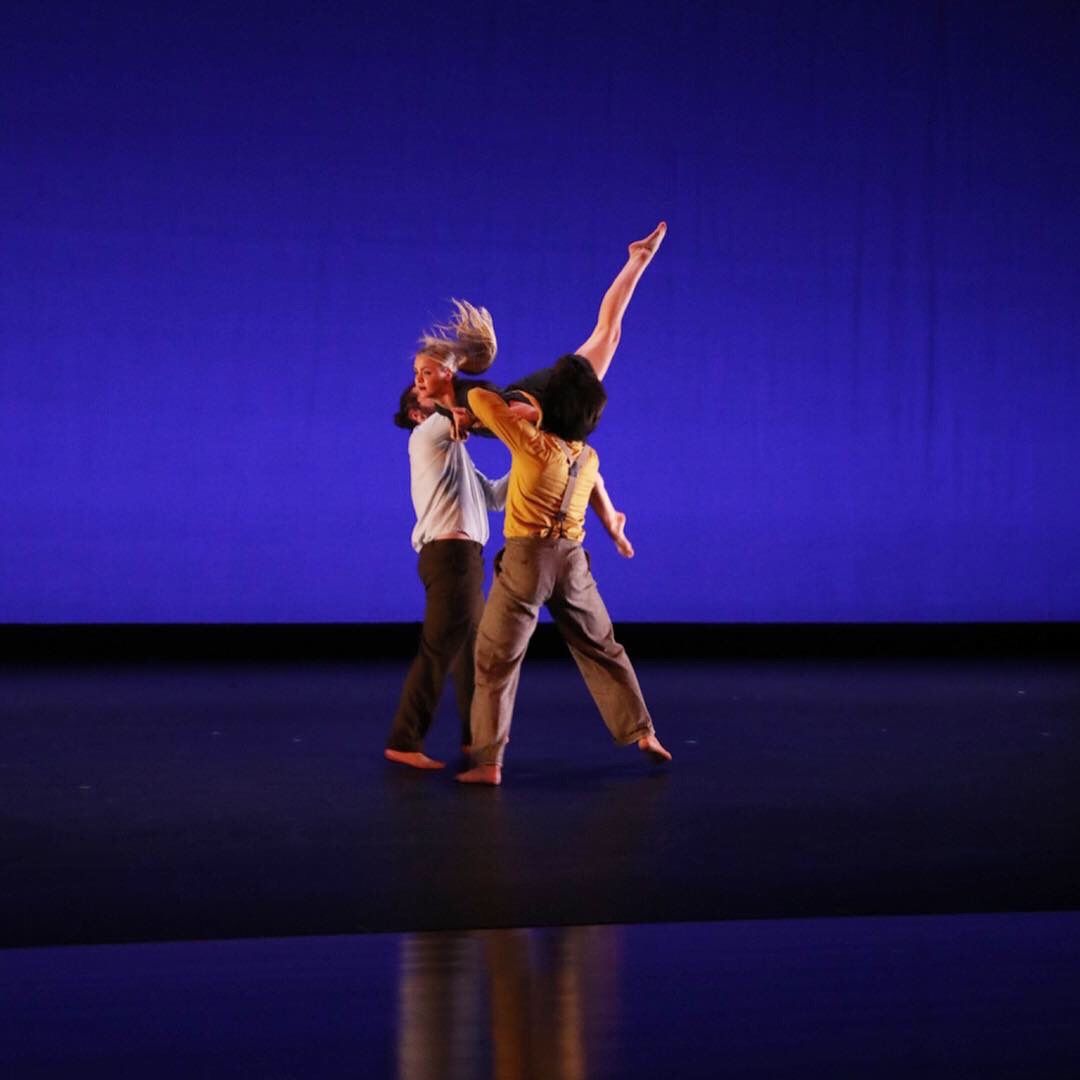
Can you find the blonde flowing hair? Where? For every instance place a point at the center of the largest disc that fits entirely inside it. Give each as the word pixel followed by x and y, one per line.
pixel 465 343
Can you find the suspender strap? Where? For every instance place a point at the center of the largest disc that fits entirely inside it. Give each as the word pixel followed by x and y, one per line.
pixel 559 527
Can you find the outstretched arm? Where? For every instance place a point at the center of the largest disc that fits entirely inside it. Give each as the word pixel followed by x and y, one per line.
pixel 604 340
pixel 612 520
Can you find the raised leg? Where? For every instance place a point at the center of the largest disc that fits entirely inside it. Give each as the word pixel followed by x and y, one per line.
pixel 599 348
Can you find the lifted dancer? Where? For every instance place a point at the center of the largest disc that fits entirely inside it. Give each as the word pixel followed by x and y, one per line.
pixel 468 342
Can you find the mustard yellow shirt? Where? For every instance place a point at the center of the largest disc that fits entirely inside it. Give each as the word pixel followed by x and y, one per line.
pixel 538 471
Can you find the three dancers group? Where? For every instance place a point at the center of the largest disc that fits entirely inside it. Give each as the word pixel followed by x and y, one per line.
pixel 544 420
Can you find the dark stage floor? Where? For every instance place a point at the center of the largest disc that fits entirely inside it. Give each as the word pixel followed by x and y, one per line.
pixel 168 803
pixel 182 804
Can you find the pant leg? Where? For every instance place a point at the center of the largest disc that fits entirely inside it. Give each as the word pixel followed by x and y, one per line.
pixel 523 575
pixel 452 572
pixel 463 669
pixel 579 612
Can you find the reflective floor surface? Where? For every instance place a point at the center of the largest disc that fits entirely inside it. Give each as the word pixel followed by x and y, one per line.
pixel 850 870
pixel 957 996
pixel 168 803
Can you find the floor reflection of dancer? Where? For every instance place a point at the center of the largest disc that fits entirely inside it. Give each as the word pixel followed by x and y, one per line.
pixel 552 474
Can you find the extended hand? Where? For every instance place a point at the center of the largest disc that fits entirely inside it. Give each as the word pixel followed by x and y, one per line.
pixel 618 534
pixel 460 422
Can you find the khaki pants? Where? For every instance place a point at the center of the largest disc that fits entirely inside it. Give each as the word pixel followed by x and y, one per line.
pixel 530 572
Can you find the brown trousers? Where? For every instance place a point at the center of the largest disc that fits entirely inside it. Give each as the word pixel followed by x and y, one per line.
pixel 452 572
pixel 530 572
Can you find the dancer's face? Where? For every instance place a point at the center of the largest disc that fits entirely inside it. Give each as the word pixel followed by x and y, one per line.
pixel 431 378
pixel 423 407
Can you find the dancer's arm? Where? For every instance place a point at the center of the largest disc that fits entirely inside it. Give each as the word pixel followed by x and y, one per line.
pixel 494 490
pixel 462 421
pixel 604 340
pixel 524 411
pixel 502 420
pixel 612 520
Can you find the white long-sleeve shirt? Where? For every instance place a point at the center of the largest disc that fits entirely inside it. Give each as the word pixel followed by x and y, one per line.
pixel 449 493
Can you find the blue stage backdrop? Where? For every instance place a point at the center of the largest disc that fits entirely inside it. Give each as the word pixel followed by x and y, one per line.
pixel 848 385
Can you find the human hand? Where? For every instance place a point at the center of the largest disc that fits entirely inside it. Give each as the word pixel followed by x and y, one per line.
pixel 460 422
pixel 618 535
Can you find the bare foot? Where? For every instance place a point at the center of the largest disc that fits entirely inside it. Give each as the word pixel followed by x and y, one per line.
pixel 481 774
pixel 651 243
pixel 413 758
pixel 622 544
pixel 650 746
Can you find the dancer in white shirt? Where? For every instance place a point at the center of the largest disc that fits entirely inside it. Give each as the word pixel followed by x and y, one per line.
pixel 452 499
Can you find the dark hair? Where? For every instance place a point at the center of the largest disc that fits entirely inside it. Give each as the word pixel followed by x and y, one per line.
pixel 408 401
pixel 573 399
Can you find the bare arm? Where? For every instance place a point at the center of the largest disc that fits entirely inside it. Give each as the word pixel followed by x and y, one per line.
pixel 604 340
pixel 612 520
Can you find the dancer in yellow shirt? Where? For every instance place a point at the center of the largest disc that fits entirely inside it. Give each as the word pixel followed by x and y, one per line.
pixel 552 473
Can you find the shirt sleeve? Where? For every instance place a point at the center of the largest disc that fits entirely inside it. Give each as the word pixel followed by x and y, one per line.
pixel 431 431
pixel 495 414
pixel 494 490
pixel 428 443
